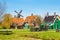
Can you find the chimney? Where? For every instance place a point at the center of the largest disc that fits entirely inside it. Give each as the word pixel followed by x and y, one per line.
pixel 47 14
pixel 32 14
pixel 14 16
pixel 54 14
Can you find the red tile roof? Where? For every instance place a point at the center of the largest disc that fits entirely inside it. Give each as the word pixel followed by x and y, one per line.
pixel 20 21
pixel 29 18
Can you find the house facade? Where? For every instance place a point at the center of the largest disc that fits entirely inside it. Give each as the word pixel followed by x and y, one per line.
pixel 56 24
pixel 17 22
pixel 49 20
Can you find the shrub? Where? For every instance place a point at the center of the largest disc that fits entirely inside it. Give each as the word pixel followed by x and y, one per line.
pixel 4 27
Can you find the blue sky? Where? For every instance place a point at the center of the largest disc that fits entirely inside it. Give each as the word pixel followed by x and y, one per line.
pixel 39 7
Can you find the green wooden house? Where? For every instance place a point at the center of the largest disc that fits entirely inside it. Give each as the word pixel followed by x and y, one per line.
pixel 56 24
pixel 50 20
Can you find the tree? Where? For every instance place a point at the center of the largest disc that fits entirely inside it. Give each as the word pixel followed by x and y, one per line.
pixel 7 20
pixel 36 23
pixel 38 20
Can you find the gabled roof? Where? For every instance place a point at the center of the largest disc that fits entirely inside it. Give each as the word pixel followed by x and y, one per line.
pixel 29 18
pixel 20 21
pixel 49 18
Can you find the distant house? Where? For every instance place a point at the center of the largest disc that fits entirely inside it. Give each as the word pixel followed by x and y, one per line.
pixel 19 22
pixel 49 20
pixel 30 20
pixel 33 21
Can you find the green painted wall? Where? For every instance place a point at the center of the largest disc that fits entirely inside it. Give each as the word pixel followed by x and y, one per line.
pixel 55 23
pixel 26 26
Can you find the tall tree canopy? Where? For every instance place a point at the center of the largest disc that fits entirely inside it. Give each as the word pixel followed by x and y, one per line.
pixel 7 20
pixel 38 20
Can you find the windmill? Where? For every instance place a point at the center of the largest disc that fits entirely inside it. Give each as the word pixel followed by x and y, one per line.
pixel 19 13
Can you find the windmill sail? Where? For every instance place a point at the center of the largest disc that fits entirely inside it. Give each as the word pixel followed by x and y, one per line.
pixel 20 11
pixel 19 14
pixel 15 11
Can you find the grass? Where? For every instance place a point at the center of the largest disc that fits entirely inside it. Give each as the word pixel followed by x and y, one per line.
pixel 23 34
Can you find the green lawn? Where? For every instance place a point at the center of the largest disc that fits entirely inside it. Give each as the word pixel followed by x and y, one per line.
pixel 23 34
